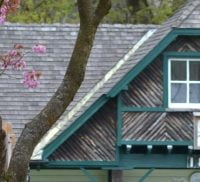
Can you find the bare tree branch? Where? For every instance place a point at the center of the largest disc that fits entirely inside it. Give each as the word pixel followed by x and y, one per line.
pixel 102 10
pixel 1 2
pixel 73 78
pixel 86 11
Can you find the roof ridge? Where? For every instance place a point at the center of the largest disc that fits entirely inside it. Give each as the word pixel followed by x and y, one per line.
pixel 192 4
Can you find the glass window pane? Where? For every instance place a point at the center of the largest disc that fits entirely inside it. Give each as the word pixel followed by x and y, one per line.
pixel 178 93
pixel 194 93
pixel 178 70
pixel 194 70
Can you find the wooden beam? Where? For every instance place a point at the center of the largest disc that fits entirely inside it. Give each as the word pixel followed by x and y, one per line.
pixel 89 175
pixel 146 175
pixel 117 176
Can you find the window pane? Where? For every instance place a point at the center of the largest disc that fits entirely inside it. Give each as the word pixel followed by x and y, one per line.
pixel 194 93
pixel 178 70
pixel 195 70
pixel 178 93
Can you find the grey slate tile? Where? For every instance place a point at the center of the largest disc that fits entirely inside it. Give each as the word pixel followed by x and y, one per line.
pixel 184 18
pixel 17 104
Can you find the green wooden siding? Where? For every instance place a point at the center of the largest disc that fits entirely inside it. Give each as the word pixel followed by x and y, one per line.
pixel 102 175
pixel 67 175
pixel 159 175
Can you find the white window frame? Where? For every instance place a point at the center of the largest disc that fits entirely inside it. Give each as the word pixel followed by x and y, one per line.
pixel 187 82
pixel 197 132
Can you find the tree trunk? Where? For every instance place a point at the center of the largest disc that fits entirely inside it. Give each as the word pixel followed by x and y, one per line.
pixel 2 151
pixel 33 131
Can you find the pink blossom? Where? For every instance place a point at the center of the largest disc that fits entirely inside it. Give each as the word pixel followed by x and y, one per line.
pixel 12 53
pixel 39 49
pixel 19 65
pixel 5 65
pixel 31 79
pixel 2 19
pixel 3 10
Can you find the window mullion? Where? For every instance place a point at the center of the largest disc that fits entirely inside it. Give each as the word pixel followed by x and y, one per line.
pixel 188 82
pixel 169 82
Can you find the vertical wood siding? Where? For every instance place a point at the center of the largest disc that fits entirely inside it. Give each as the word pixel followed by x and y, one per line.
pixel 102 175
pixel 159 175
pixel 66 176
pixel 94 141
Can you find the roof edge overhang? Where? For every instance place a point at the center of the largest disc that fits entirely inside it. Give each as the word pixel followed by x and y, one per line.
pixel 55 129
pixel 158 49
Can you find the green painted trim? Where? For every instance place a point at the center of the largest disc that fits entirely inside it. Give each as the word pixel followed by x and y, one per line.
pixel 82 163
pixel 146 175
pixel 119 119
pixel 89 175
pixel 119 86
pixel 156 161
pixel 127 161
pixel 151 56
pixel 142 64
pixel 187 31
pixel 181 143
pixel 143 109
pixel 117 158
pixel 167 56
pixel 50 148
pixel 165 82
pixel 118 168
pixel 188 54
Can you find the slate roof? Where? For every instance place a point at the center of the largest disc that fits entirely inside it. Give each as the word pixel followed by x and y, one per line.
pixel 186 17
pixel 19 105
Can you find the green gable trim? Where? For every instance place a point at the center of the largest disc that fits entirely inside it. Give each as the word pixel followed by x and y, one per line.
pixel 143 109
pixel 119 119
pixel 127 161
pixel 156 161
pixel 180 143
pixel 188 54
pixel 118 87
pixel 165 82
pixel 151 56
pixel 75 126
pixel 80 164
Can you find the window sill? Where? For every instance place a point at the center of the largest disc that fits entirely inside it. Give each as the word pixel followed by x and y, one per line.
pixel 183 109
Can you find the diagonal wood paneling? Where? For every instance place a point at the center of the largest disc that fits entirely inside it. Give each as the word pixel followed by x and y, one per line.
pixel 146 89
pixel 183 44
pixel 94 141
pixel 157 126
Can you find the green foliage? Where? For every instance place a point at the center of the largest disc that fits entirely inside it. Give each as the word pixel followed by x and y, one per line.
pixel 142 12
pixel 127 11
pixel 46 11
